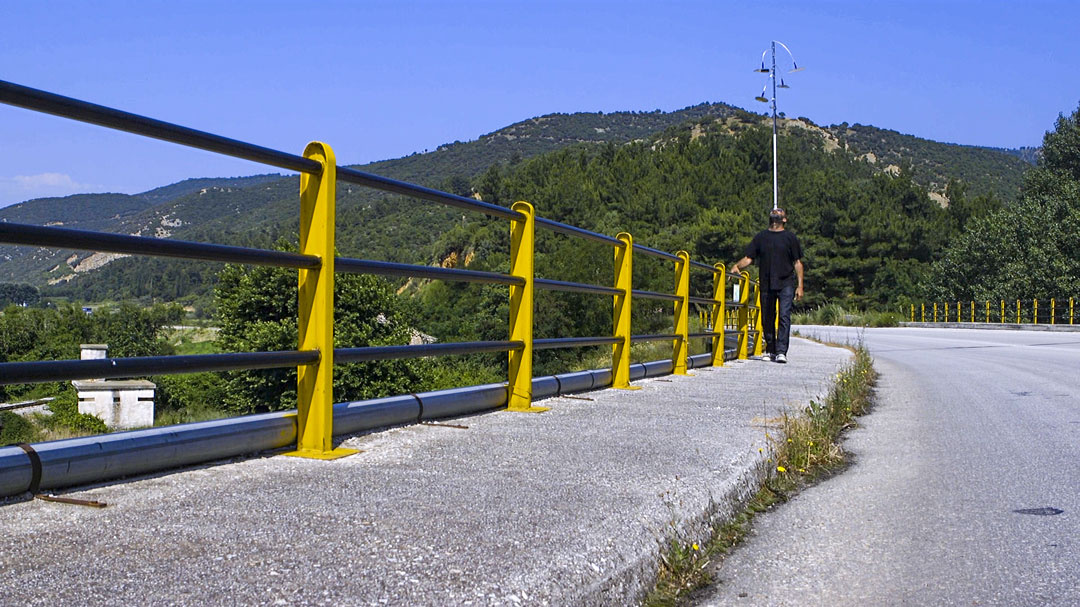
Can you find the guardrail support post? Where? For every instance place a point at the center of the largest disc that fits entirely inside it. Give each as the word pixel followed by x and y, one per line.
pixel 987 311
pixel 759 338
pixel 624 281
pixel 682 313
pixel 1002 311
pixel 1017 311
pixel 522 247
pixel 922 307
pixel 719 313
pixel 1035 311
pixel 744 316
pixel 315 383
pixel 1070 310
pixel 1053 310
pixel 935 311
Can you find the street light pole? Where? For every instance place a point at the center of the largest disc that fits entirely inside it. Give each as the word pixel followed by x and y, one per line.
pixel 772 78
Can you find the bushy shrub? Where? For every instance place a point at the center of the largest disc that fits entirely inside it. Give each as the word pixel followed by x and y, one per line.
pixel 15 429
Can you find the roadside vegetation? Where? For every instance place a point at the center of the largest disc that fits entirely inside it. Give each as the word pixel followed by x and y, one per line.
pixel 805 448
pixel 835 314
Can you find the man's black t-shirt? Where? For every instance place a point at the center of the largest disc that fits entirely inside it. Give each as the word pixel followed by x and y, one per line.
pixel 775 253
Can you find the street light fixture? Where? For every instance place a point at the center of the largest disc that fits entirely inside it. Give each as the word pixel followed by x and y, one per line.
pixel 762 98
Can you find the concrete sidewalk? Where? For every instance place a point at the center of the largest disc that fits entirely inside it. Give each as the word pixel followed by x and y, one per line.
pixel 567 507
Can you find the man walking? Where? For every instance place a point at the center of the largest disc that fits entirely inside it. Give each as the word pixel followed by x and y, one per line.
pixel 779 258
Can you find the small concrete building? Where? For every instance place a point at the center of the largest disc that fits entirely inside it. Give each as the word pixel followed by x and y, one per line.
pixel 121 403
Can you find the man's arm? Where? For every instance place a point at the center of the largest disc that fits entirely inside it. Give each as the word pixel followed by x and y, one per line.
pixel 798 274
pixel 745 261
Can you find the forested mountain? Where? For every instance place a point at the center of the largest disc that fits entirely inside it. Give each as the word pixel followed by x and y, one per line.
pixel 259 210
pixel 932 164
pixel 246 210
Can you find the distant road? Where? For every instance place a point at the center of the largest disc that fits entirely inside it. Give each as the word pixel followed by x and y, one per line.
pixel 959 473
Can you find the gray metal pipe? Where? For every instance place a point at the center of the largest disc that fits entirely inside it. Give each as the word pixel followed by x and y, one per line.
pixel 91 459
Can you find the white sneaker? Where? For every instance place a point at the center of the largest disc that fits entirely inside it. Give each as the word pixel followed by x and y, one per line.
pixel 781 358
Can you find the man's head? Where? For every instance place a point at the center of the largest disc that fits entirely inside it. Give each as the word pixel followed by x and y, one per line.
pixel 777 218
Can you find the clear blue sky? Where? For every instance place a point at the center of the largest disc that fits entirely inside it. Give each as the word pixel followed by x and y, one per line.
pixel 381 79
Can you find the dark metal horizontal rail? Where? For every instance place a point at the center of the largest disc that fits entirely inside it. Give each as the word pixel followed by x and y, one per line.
pixel 418 191
pixel 67 238
pixel 656 253
pixel 705 266
pixel 386 268
pixel 573 342
pixel 703 300
pixel 575 287
pixel 570 230
pixel 50 103
pixel 701 335
pixel 370 353
pixel 655 295
pixel 111 368
pixel 636 338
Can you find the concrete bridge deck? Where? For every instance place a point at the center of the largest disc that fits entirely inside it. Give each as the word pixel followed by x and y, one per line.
pixel 567 507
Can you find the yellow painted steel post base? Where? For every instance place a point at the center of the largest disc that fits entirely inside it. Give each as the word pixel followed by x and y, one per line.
pixel 624 275
pixel 719 313
pixel 315 322
pixel 337 453
pixel 681 345
pixel 522 247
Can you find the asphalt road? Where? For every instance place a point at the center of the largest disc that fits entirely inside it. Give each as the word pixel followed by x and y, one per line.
pixel 959 470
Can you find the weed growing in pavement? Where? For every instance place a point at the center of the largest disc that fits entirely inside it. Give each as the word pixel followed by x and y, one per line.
pixel 807 450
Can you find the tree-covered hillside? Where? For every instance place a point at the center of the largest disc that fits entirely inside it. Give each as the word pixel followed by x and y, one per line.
pixel 932 165
pixel 375 225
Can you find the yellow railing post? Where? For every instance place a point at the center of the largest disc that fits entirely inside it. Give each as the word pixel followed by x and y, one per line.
pixel 682 313
pixel 959 311
pixel 987 311
pixel 923 313
pixel 1017 311
pixel 912 312
pixel 1002 311
pixel 719 313
pixel 759 338
pixel 744 316
pixel 1070 310
pixel 1053 310
pixel 946 311
pixel 935 311
pixel 624 282
pixel 973 311
pixel 315 323
pixel 522 247
pixel 1035 311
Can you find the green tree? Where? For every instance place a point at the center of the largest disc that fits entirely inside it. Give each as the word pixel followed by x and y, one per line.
pixel 1029 249
pixel 257 311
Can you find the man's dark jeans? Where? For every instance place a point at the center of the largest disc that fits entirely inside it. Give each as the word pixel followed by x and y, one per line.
pixel 777 338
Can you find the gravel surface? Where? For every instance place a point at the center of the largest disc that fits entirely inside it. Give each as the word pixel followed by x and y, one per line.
pixel 567 507
pixel 970 426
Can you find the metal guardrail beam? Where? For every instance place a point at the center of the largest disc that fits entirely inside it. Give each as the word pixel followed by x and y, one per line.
pixel 111 368
pixel 572 342
pixel 58 105
pixel 570 230
pixel 662 337
pixel 67 238
pixel 655 295
pixel 574 287
pixel 655 253
pixel 375 353
pixel 386 268
pixel 424 193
